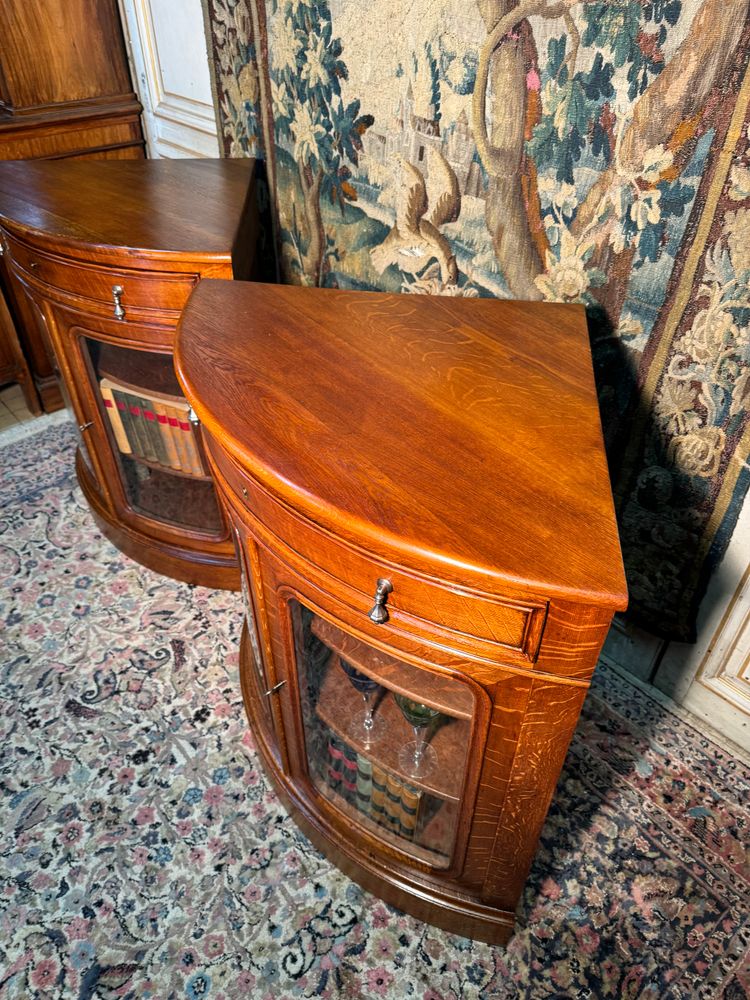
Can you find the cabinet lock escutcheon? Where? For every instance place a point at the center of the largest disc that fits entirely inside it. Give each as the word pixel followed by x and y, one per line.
pixel 378 613
pixel 117 293
pixel 274 689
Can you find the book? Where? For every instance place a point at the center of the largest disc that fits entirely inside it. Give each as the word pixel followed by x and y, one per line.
pixel 130 416
pixel 135 405
pixel 378 794
pixel 113 409
pixel 335 762
pixel 349 774
pixel 173 420
pixel 410 801
pixel 392 802
pixel 364 784
pixel 167 434
pixel 196 466
pixel 158 445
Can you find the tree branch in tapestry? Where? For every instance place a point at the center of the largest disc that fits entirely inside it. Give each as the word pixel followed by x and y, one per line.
pixel 621 221
pixel 310 116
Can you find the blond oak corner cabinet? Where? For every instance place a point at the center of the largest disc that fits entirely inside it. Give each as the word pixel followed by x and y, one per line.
pixel 101 257
pixel 420 498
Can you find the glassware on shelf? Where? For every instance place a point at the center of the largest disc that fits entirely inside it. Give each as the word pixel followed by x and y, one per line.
pixel 417 758
pixel 365 727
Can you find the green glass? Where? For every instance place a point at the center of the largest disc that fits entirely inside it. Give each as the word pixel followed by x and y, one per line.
pixel 417 758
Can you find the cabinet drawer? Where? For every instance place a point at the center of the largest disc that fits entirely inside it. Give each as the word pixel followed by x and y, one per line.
pixel 158 290
pixel 480 625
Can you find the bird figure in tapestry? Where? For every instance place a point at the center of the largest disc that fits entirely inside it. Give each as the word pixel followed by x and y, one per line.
pixel 422 206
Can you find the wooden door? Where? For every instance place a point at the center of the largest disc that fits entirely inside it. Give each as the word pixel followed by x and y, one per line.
pixel 712 678
pixel 168 51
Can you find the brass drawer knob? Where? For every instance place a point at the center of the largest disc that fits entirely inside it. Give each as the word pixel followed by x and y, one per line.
pixel 379 613
pixel 117 292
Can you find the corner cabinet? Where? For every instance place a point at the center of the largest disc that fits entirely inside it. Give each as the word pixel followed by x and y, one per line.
pixel 430 562
pixel 102 257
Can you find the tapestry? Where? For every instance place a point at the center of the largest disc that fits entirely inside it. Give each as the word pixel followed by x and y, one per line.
pixel 567 150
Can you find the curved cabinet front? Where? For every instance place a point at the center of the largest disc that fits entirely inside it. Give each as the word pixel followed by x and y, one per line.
pixel 427 589
pixel 430 808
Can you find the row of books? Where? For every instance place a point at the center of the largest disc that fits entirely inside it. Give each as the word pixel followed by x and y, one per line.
pixel 376 793
pixel 155 430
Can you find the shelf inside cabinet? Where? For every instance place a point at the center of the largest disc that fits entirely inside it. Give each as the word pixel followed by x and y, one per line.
pixel 167 471
pixel 185 501
pixel 142 372
pixel 339 702
pixel 443 693
pixel 437 832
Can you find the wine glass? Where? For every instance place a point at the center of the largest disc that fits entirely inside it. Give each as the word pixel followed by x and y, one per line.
pixel 364 727
pixel 417 758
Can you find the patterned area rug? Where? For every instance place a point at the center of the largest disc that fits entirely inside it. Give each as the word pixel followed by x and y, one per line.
pixel 145 856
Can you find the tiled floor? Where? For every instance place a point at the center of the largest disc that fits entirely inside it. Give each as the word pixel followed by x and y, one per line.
pixel 13 408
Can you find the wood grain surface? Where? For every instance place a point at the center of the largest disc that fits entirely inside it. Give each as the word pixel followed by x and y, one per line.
pixel 461 438
pixel 70 232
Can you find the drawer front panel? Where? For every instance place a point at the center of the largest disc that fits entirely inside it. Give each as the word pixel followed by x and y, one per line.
pixel 476 625
pixel 159 290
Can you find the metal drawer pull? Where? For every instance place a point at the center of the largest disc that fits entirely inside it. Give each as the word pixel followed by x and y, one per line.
pixel 117 292
pixel 274 689
pixel 379 613
pixel 85 427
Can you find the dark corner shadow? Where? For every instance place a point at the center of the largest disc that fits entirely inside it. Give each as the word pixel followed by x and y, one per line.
pixel 584 791
pixel 649 484
pixel 254 255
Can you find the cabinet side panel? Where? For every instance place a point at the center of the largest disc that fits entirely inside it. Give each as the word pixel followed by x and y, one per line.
pixel 573 637
pixel 63 50
pixel 551 717
pixel 510 699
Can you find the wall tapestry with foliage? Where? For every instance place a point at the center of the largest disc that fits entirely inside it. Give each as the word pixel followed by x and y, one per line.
pixel 582 151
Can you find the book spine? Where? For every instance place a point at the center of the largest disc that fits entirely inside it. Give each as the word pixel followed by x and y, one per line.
pixel 392 803
pixel 377 798
pixel 335 762
pixel 154 433
pixel 410 800
pixel 349 776
pixel 196 466
pixel 165 432
pixel 115 419
pixel 173 419
pixel 364 784
pixel 131 416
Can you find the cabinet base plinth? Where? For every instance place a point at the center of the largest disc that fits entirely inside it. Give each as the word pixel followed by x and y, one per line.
pixel 457 914
pixel 219 571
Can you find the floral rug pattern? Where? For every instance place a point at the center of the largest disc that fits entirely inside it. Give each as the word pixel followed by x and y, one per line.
pixel 145 856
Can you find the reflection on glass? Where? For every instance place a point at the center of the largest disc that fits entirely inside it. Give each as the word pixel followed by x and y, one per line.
pixel 159 455
pixel 353 753
pixel 417 757
pixel 364 727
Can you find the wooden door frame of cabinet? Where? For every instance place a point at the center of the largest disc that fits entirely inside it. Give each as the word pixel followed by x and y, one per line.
pixel 211 559
pixel 526 787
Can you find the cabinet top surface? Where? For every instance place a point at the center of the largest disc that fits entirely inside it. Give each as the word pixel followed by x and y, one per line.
pixel 162 206
pixel 458 437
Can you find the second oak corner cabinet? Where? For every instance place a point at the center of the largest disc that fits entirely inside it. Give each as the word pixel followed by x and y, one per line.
pixel 420 495
pixel 101 256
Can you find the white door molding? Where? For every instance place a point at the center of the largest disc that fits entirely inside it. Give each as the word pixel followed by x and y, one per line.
pixel 712 678
pixel 170 61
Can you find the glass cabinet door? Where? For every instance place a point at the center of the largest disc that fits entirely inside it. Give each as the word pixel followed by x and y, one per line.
pixel 158 453
pixel 386 741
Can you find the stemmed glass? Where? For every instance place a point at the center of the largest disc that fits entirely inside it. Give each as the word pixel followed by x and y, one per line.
pixel 364 727
pixel 417 758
